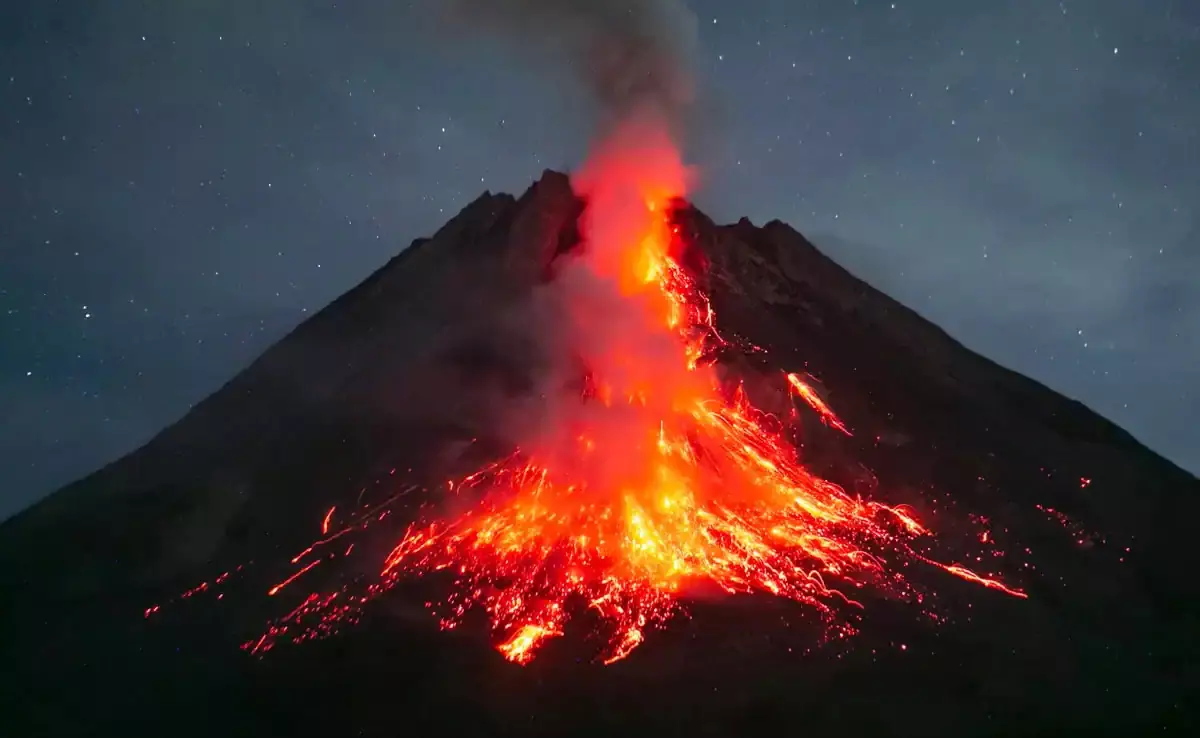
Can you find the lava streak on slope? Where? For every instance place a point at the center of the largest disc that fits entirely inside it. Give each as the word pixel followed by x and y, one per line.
pixel 655 475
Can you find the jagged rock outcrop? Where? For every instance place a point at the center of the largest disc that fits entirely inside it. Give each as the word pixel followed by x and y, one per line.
pixel 388 381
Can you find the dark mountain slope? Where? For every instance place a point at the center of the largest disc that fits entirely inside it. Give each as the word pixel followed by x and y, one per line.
pixel 396 375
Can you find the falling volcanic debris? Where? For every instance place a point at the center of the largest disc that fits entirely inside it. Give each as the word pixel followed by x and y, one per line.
pixel 644 473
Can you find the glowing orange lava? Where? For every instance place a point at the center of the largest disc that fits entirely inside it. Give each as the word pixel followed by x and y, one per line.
pixel 657 477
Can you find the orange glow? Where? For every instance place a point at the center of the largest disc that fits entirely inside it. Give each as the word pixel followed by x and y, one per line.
pixel 275 590
pixel 970 576
pixel 657 477
pixel 806 393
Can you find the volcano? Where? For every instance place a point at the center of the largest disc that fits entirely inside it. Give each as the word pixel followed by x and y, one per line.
pixel 303 554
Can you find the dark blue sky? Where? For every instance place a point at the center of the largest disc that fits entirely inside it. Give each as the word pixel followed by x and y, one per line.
pixel 181 183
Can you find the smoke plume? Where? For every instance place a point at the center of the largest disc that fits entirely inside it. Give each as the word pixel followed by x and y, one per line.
pixel 598 321
pixel 632 56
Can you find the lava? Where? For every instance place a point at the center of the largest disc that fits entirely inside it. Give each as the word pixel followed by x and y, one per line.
pixel 654 477
pixel 304 570
pixel 806 393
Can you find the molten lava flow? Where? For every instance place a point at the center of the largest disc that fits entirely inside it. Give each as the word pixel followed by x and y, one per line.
pixel 655 477
pixel 668 479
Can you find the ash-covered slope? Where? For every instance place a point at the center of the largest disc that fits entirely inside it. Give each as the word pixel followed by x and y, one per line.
pixel 391 385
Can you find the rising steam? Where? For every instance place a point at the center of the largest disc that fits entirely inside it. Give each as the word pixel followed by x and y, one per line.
pixel 632 56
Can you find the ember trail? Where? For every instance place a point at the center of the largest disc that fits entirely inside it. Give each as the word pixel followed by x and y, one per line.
pixel 655 476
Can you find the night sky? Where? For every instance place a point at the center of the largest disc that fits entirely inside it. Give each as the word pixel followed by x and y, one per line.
pixel 183 182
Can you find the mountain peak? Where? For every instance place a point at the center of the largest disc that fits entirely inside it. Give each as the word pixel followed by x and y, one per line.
pixel 390 389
